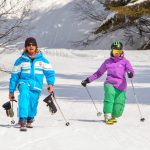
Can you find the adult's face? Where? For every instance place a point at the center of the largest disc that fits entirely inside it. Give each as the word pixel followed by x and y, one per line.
pixel 31 49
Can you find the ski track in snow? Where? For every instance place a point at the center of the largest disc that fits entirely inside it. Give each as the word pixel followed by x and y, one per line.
pixel 86 130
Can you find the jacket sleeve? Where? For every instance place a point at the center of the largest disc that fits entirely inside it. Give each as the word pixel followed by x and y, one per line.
pixel 98 73
pixel 49 72
pixel 14 77
pixel 129 67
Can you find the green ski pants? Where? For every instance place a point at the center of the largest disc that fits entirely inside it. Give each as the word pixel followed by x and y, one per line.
pixel 114 101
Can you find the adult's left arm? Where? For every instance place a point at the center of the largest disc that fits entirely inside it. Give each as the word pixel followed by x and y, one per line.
pixel 49 72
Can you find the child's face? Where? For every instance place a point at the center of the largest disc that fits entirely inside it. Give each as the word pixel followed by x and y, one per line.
pixel 116 53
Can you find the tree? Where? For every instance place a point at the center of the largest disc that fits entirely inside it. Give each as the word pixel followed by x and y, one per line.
pixel 13 14
pixel 126 15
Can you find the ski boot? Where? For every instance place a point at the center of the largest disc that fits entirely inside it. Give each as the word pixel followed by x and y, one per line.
pixel 108 120
pixel 29 123
pixel 23 126
pixel 114 120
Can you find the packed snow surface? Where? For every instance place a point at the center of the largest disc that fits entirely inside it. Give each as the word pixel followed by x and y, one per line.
pixel 86 130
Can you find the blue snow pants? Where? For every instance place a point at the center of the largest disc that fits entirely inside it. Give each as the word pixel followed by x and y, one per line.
pixel 28 102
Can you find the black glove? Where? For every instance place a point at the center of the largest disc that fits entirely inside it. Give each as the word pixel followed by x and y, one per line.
pixel 130 75
pixel 9 109
pixel 85 82
pixel 49 100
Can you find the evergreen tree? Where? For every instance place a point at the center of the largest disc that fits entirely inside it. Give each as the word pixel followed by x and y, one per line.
pixel 132 16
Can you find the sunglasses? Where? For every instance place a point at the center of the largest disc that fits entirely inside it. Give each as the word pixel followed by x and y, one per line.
pixel 116 51
pixel 31 44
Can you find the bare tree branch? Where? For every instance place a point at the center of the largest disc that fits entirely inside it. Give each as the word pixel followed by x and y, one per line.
pixel 88 10
pixel 13 14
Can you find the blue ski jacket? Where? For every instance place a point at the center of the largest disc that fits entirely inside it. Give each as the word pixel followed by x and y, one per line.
pixel 31 72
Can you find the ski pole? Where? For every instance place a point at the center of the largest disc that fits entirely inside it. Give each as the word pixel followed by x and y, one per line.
pixel 67 123
pixel 53 96
pixel 98 113
pixel 12 110
pixel 142 118
pixel 12 115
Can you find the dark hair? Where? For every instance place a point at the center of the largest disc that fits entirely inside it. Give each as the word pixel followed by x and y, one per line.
pixel 30 40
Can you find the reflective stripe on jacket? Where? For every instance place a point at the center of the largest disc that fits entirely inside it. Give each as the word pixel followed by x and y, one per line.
pixel 31 72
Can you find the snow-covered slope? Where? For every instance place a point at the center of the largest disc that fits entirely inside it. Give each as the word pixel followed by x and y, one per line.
pixel 55 24
pixel 86 131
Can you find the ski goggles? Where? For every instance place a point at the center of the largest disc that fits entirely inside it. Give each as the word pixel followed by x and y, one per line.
pixel 31 44
pixel 116 51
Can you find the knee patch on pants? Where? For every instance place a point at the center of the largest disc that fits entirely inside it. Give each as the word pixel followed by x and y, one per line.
pixel 118 110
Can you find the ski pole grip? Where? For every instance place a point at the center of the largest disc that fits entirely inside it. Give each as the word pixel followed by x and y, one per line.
pixel 13 99
pixel 51 93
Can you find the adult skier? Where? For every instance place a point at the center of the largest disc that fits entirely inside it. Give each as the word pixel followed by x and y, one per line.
pixel 27 75
pixel 115 84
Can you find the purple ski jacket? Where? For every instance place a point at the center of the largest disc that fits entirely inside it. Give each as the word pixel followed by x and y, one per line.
pixel 116 71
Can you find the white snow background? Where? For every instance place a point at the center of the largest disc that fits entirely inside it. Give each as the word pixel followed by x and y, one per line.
pixel 86 130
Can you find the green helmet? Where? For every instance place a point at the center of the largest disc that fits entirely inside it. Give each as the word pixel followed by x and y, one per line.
pixel 117 45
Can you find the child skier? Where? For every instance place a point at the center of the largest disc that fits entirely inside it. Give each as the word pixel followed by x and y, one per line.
pixel 27 74
pixel 115 85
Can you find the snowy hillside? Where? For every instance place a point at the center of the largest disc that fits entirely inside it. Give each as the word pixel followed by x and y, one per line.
pixel 59 24
pixel 87 131
pixel 55 24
